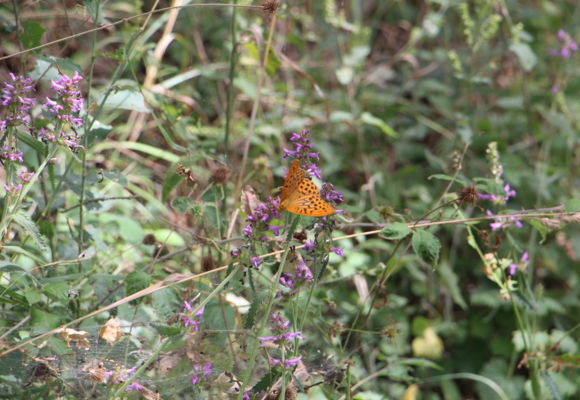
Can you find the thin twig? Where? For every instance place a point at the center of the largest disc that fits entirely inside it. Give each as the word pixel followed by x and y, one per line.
pixel 122 21
pixel 177 279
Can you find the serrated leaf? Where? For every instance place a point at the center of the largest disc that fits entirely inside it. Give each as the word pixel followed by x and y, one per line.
pixel 426 246
pixel 30 227
pixel 267 380
pixel 182 204
pixel 250 319
pixel 395 231
pixel 136 281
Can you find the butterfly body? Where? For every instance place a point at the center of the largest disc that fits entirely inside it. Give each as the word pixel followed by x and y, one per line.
pixel 301 196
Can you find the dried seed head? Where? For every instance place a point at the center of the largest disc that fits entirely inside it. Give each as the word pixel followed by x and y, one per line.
pixel 219 175
pixel 270 6
pixel 468 194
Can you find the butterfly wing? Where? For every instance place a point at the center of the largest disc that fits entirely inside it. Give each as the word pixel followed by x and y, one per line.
pixel 306 200
pixel 293 179
pixel 310 205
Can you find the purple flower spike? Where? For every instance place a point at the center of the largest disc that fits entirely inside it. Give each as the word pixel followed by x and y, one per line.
pixel 337 251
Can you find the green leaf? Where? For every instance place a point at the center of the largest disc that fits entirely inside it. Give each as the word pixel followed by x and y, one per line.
pixel 426 246
pixel 10 296
pixel 136 281
pixel 370 119
pixel 572 205
pixel 166 330
pixel 30 227
pixel 451 281
pixel 42 321
pixel 169 183
pixel 272 64
pixel 37 146
pixel 95 10
pixel 541 228
pixel 98 133
pixel 525 55
pixel 31 34
pixel 182 204
pixel 395 231
pixel 56 290
pixel 250 319
pixel 125 99
pixel 168 237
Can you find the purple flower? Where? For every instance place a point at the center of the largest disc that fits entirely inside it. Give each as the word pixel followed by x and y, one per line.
pixel 309 245
pixel 330 194
pixel 509 192
pixel 502 222
pixel 186 306
pixel 276 229
pixel 69 100
pixel 12 156
pixel 292 362
pixel 12 188
pixel 25 176
pixel 314 171
pixel 256 262
pixel 15 99
pixel 522 264
pixel 337 251
pixel 248 230
pixel 246 396
pixel 567 47
pixel 134 386
pixel 196 321
pixel 235 253
pixel 200 373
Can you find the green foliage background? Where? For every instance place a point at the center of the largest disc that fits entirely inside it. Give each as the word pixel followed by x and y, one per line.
pixel 402 100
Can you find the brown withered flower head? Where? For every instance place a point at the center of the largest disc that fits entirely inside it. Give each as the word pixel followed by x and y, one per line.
pixel 467 194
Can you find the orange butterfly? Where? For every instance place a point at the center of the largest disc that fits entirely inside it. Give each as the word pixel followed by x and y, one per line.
pixel 301 196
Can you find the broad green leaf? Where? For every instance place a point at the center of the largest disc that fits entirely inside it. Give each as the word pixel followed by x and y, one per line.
pixel 125 99
pixel 395 231
pixel 426 246
pixel 168 237
pixel 38 146
pixel 42 321
pixel 525 55
pixel 98 133
pixel 31 34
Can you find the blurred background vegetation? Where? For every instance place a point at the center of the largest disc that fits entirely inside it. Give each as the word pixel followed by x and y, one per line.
pixel 187 112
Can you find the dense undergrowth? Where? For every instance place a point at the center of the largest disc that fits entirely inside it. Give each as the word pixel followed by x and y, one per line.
pixel 145 251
